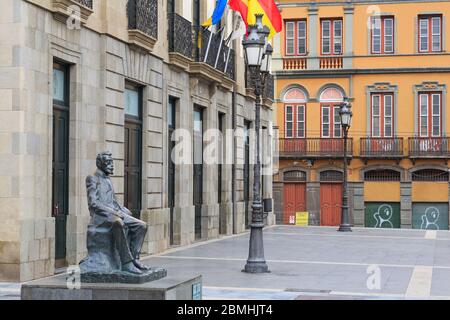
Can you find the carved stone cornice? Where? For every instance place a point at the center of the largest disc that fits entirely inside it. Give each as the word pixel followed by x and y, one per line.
pixel 178 60
pixel 205 71
pixel 141 40
pixel 62 10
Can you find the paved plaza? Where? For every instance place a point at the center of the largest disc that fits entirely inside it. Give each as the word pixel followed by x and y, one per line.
pixel 321 263
pixel 316 263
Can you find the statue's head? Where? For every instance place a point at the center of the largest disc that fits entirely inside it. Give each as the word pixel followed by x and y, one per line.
pixel 105 162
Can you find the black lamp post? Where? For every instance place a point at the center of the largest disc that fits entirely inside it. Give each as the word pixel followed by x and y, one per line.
pixel 345 114
pixel 257 58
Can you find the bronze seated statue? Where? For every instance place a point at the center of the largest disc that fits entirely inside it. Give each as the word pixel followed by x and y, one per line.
pixel 114 237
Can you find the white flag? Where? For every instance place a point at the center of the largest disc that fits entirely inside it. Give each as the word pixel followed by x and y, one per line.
pixel 239 28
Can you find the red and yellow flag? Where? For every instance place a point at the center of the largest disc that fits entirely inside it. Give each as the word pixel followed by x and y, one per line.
pixel 248 9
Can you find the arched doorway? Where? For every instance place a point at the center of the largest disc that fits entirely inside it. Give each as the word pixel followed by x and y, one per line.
pixel 294 195
pixel 330 197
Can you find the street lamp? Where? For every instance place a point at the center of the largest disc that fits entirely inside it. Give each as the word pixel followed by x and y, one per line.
pixel 257 58
pixel 345 114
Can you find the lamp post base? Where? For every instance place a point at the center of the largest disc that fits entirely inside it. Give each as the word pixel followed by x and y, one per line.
pixel 256 263
pixel 345 228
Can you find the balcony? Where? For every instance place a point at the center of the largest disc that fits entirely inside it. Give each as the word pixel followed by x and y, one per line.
pixel 381 148
pixel 216 63
pixel 429 148
pixel 314 148
pixel 143 23
pixel 62 9
pixel 331 63
pixel 294 63
pixel 181 46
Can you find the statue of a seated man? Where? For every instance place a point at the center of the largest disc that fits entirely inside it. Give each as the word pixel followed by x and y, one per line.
pixel 114 237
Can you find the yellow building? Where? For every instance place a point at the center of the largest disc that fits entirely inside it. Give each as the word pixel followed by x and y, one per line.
pixel 391 58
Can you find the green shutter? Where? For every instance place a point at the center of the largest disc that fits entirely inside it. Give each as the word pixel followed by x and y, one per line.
pixel 430 216
pixel 382 214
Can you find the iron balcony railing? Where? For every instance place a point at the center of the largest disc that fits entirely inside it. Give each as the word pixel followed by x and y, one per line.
pixel 180 39
pixel 86 3
pixel 429 147
pixel 218 53
pixel 381 147
pixel 143 16
pixel 314 147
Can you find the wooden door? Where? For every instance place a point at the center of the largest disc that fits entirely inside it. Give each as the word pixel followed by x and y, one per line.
pixel 60 159
pixel 60 178
pixel 330 204
pixel 133 150
pixel 294 201
pixel 133 167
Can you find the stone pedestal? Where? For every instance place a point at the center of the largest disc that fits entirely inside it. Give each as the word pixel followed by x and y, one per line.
pixel 168 288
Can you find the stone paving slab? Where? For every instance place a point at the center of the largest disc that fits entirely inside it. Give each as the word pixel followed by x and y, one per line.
pixel 313 259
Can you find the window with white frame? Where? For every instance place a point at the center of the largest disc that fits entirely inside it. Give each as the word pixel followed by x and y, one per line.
pixel 430 33
pixel 295 126
pixel 331 121
pixel 296 38
pixel 382 35
pixel 289 121
pixel 382 115
pixel 331 36
pixel 430 110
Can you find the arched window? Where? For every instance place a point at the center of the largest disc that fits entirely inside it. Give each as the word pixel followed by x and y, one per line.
pixel 295 113
pixel 429 175
pixel 295 95
pixel 330 101
pixel 331 95
pixel 382 175
pixel 295 176
pixel 331 176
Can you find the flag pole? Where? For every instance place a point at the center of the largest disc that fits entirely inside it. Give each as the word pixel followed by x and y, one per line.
pixel 229 51
pixel 220 48
pixel 207 48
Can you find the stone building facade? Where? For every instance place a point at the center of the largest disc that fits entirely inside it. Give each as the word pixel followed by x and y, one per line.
pixel 68 90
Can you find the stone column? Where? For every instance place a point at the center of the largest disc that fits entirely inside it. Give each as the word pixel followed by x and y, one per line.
pixel 313 36
pixel 348 36
pixel 226 206
pixel 278 199
pixel 405 205
pixel 313 202
pixel 357 212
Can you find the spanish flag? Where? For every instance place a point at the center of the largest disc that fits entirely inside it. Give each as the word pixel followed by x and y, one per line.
pixel 248 9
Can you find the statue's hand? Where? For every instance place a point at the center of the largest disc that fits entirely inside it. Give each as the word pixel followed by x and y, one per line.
pixel 119 215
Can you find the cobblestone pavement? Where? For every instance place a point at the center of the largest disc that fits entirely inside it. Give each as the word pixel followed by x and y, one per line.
pixel 311 263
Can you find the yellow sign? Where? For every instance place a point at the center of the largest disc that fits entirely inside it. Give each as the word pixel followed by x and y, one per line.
pixel 302 219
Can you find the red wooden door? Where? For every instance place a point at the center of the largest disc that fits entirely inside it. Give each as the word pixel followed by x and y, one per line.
pixel 294 201
pixel 330 204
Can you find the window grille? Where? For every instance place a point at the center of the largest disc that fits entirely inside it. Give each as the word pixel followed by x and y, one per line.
pixel 430 175
pixel 382 175
pixel 331 176
pixel 296 176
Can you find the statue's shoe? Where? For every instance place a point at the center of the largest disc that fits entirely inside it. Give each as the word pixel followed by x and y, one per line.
pixel 129 267
pixel 140 265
